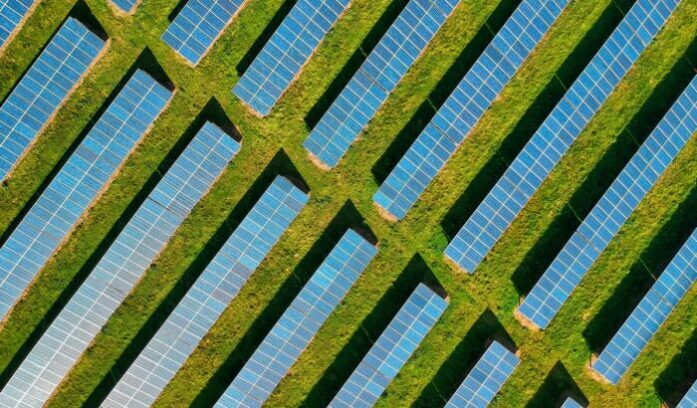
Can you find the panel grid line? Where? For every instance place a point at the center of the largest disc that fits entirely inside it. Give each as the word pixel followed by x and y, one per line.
pixel 554 137
pixel 208 297
pixel 616 205
pixel 120 268
pixel 76 186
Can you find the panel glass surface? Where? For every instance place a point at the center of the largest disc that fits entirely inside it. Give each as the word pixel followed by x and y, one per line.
pixel 377 77
pixel 212 292
pixel 466 105
pixel 298 325
pixel 559 130
pixel 690 399
pixel 288 50
pixel 44 88
pixel 571 403
pixel 77 184
pixel 612 210
pixel 120 268
pixel 198 25
pixel 392 349
pixel 486 378
pixel 12 12
pixel 126 6
pixel 653 310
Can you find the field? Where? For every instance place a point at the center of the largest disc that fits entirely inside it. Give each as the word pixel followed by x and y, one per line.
pixel 481 305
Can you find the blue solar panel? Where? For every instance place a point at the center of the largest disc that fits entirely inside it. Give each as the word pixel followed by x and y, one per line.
pixel 44 88
pixel 198 26
pixel 126 6
pixel 212 292
pixel 571 403
pixel 466 105
pixel 392 350
pixel 120 268
pixel 649 315
pixel 486 378
pixel 12 12
pixel 551 141
pixel 294 331
pixel 379 75
pixel 612 210
pixel 291 46
pixel 78 183
pixel 690 399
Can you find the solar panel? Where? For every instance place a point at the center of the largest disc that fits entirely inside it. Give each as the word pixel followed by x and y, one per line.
pixel 466 105
pixel 690 399
pixel 44 88
pixel 77 185
pixel 288 50
pixel 486 378
pixel 198 26
pixel 571 403
pixel 392 350
pixel 120 268
pixel 294 331
pixel 649 315
pixel 612 210
pixel 126 6
pixel 377 77
pixel 551 141
pixel 206 300
pixel 12 12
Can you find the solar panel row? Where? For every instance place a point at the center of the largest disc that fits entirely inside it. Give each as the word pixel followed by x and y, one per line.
pixel 77 184
pixel 650 314
pixel 612 210
pixel 298 325
pixel 551 141
pixel 206 300
pixel 288 50
pixel 570 403
pixel 486 378
pixel 690 399
pixel 392 349
pixel 466 105
pixel 377 77
pixel 44 88
pixel 12 12
pixel 120 268
pixel 198 25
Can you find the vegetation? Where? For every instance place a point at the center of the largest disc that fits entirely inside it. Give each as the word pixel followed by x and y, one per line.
pixel 481 305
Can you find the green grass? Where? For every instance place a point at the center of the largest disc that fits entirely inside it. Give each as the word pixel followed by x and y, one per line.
pixel 480 305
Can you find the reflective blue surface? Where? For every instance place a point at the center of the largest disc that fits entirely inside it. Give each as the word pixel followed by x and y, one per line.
pixel 77 184
pixel 120 268
pixel 612 210
pixel 559 130
pixel 466 105
pixel 650 314
pixel 12 12
pixel 570 403
pixel 44 88
pixel 290 47
pixel 486 378
pixel 377 77
pixel 127 6
pixel 212 292
pixel 690 398
pixel 298 325
pixel 198 25
pixel 392 350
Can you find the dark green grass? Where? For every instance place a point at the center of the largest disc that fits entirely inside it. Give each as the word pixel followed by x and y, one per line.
pixel 481 306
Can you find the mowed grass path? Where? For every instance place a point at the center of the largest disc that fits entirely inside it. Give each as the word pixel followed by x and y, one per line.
pixel 609 138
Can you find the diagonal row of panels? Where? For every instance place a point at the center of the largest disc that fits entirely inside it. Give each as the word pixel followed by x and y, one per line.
pixel 675 153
